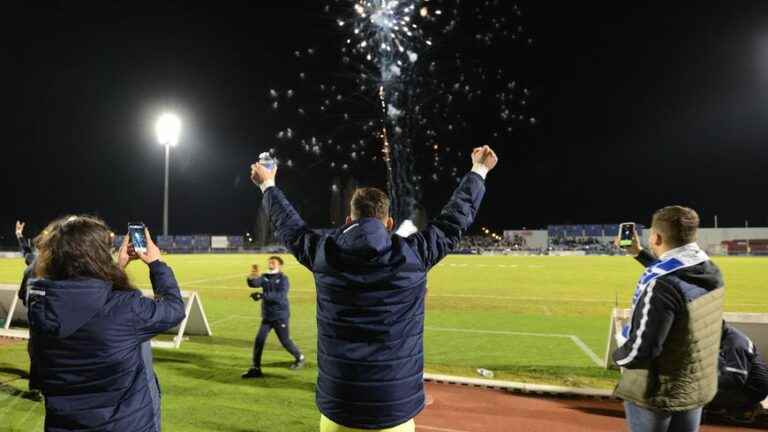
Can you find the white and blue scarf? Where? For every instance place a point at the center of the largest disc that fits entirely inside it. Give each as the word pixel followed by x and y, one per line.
pixel 675 259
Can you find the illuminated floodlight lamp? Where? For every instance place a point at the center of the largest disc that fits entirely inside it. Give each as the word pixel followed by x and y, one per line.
pixel 168 129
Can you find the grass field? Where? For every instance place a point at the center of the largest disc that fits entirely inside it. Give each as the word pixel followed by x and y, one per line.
pixel 533 319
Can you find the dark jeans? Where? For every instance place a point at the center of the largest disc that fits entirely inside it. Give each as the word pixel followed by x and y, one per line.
pixel 283 333
pixel 641 419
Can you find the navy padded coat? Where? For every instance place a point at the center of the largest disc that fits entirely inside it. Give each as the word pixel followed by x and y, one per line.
pixel 86 343
pixel 371 288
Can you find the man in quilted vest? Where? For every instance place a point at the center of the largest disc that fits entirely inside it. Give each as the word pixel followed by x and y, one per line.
pixel 670 356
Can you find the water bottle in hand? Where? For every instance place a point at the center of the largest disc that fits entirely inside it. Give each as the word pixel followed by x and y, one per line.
pixel 267 161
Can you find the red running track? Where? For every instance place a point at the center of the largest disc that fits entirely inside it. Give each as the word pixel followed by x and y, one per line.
pixel 456 408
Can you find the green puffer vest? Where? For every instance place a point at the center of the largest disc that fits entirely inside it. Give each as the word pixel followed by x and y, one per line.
pixel 684 376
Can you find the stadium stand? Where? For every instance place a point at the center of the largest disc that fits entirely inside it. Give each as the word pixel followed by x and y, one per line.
pixel 745 247
pixel 595 239
pixel 199 243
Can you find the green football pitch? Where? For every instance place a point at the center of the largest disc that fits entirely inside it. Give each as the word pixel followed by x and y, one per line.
pixel 530 319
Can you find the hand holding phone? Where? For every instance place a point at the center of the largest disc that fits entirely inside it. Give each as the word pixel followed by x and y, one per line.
pixel 141 243
pixel 628 239
pixel 137 236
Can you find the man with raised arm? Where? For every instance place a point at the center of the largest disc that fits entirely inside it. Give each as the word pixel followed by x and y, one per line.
pixel 670 354
pixel 28 253
pixel 371 288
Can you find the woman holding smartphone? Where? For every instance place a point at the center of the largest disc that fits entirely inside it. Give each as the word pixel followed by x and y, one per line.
pixel 90 328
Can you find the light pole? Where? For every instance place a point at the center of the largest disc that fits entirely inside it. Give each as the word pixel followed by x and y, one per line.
pixel 168 129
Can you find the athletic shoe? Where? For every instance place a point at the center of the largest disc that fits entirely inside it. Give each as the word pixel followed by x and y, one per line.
pixel 253 373
pixel 298 364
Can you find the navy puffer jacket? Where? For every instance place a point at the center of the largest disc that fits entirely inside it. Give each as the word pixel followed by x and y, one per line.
pixel 274 302
pixel 86 343
pixel 371 287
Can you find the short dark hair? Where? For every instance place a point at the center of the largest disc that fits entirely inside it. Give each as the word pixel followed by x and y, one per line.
pixel 370 203
pixel 277 258
pixel 679 225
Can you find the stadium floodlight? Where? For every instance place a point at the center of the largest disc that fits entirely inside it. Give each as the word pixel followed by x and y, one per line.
pixel 168 130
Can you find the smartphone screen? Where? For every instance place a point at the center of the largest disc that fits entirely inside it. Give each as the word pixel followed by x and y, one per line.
pixel 626 234
pixel 137 236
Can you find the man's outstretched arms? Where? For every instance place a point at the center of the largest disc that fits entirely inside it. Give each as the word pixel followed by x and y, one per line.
pixel 443 234
pixel 290 228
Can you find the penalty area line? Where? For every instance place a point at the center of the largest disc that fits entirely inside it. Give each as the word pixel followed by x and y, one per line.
pixel 573 338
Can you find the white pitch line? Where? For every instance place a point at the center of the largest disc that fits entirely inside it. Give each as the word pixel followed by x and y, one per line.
pixel 231 317
pixel 476 296
pixel 498 332
pixel 183 284
pixel 199 281
pixel 591 354
pixel 575 339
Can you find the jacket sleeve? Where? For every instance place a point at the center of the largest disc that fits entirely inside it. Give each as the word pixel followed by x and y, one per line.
pixel 735 365
pixel 443 234
pixel 23 287
pixel 255 282
pixel 25 247
pixel 290 228
pixel 645 258
pixel 652 318
pixel 166 310
pixel 758 378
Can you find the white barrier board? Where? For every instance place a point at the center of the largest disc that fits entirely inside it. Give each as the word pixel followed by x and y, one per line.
pixel 195 323
pixel 754 325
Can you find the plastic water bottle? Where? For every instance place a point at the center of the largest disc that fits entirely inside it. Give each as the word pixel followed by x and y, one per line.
pixel 485 373
pixel 267 161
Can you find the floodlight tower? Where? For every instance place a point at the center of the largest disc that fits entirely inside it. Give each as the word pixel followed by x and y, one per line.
pixel 168 130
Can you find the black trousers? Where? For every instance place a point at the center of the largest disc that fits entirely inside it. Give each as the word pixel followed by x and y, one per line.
pixel 283 333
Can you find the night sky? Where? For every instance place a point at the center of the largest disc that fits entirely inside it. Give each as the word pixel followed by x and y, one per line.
pixel 636 106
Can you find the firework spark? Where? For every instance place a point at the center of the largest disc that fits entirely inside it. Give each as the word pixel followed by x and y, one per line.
pixel 411 93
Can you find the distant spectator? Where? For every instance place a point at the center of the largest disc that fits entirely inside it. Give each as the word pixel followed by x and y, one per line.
pixel 28 252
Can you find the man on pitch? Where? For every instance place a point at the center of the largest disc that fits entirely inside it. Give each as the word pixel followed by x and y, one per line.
pixel 670 356
pixel 371 289
pixel 275 313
